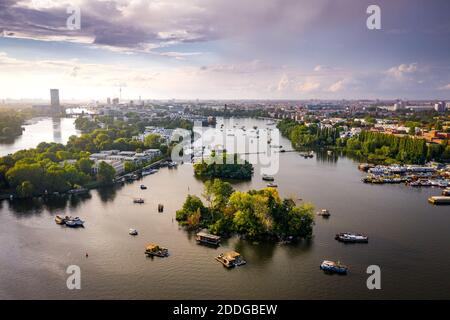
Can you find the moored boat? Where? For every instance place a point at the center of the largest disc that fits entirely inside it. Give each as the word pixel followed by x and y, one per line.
pixel 333 267
pixel 349 237
pixel 231 259
pixel 439 200
pixel 143 187
pixel 74 222
pixel 153 249
pixel 206 238
pixel 272 185
pixel 324 213
pixel 60 219
pixel 138 200
pixel 266 177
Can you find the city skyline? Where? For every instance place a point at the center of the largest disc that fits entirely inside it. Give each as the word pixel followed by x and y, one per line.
pixel 213 50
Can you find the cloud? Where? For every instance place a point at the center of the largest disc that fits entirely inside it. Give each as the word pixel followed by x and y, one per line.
pixel 403 71
pixel 337 86
pixel 308 86
pixel 446 87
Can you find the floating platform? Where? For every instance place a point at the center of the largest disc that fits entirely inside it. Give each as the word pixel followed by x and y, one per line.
pixel 439 200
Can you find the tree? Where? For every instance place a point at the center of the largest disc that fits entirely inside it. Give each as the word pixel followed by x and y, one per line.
pixel 105 173
pixel 191 206
pixel 153 141
pixel 85 165
pixel 26 189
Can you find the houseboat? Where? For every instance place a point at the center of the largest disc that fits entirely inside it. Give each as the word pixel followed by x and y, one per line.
pixel 333 267
pixel 153 250
pixel 138 200
pixel 231 259
pixel 206 238
pixel 348 237
pixel 266 177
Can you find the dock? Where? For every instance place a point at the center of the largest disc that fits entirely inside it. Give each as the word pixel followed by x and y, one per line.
pixel 439 200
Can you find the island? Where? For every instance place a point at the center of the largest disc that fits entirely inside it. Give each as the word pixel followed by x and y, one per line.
pixel 224 166
pixel 256 214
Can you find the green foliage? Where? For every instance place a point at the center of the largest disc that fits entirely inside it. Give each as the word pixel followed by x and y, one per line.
pixel 224 166
pixel 308 136
pixel 386 148
pixel 152 141
pixel 10 124
pixel 254 214
pixel 105 173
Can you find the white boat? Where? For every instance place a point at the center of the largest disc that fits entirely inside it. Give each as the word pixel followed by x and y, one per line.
pixel 74 222
pixel 132 232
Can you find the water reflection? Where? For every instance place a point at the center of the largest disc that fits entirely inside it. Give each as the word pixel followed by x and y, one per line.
pixel 35 206
pixel 56 125
pixel 107 194
pixel 327 156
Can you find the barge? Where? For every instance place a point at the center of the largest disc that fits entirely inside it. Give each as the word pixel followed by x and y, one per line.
pixel 154 250
pixel 348 237
pixel 439 200
pixel 231 259
pixel 206 238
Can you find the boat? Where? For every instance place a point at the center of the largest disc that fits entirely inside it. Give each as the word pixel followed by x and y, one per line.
pixel 138 200
pixel 153 250
pixel 231 259
pixel 78 191
pixel 266 177
pixel 60 219
pixel 348 237
pixel 132 232
pixel 143 187
pixel 148 172
pixel 74 222
pixel 272 185
pixel 324 213
pixel 206 238
pixel 446 192
pixel 333 267
pixel 160 207
pixel 172 165
pixel 439 200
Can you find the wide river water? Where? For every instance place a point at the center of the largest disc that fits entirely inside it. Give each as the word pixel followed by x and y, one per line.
pixel 41 129
pixel 409 241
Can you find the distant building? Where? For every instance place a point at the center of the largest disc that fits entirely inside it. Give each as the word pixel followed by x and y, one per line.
pixel 399 106
pixel 439 107
pixel 54 98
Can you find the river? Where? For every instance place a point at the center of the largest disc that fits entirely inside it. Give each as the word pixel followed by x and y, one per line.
pixel 409 241
pixel 43 129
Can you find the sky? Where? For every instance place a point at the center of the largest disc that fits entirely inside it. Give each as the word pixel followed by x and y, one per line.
pixel 225 49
